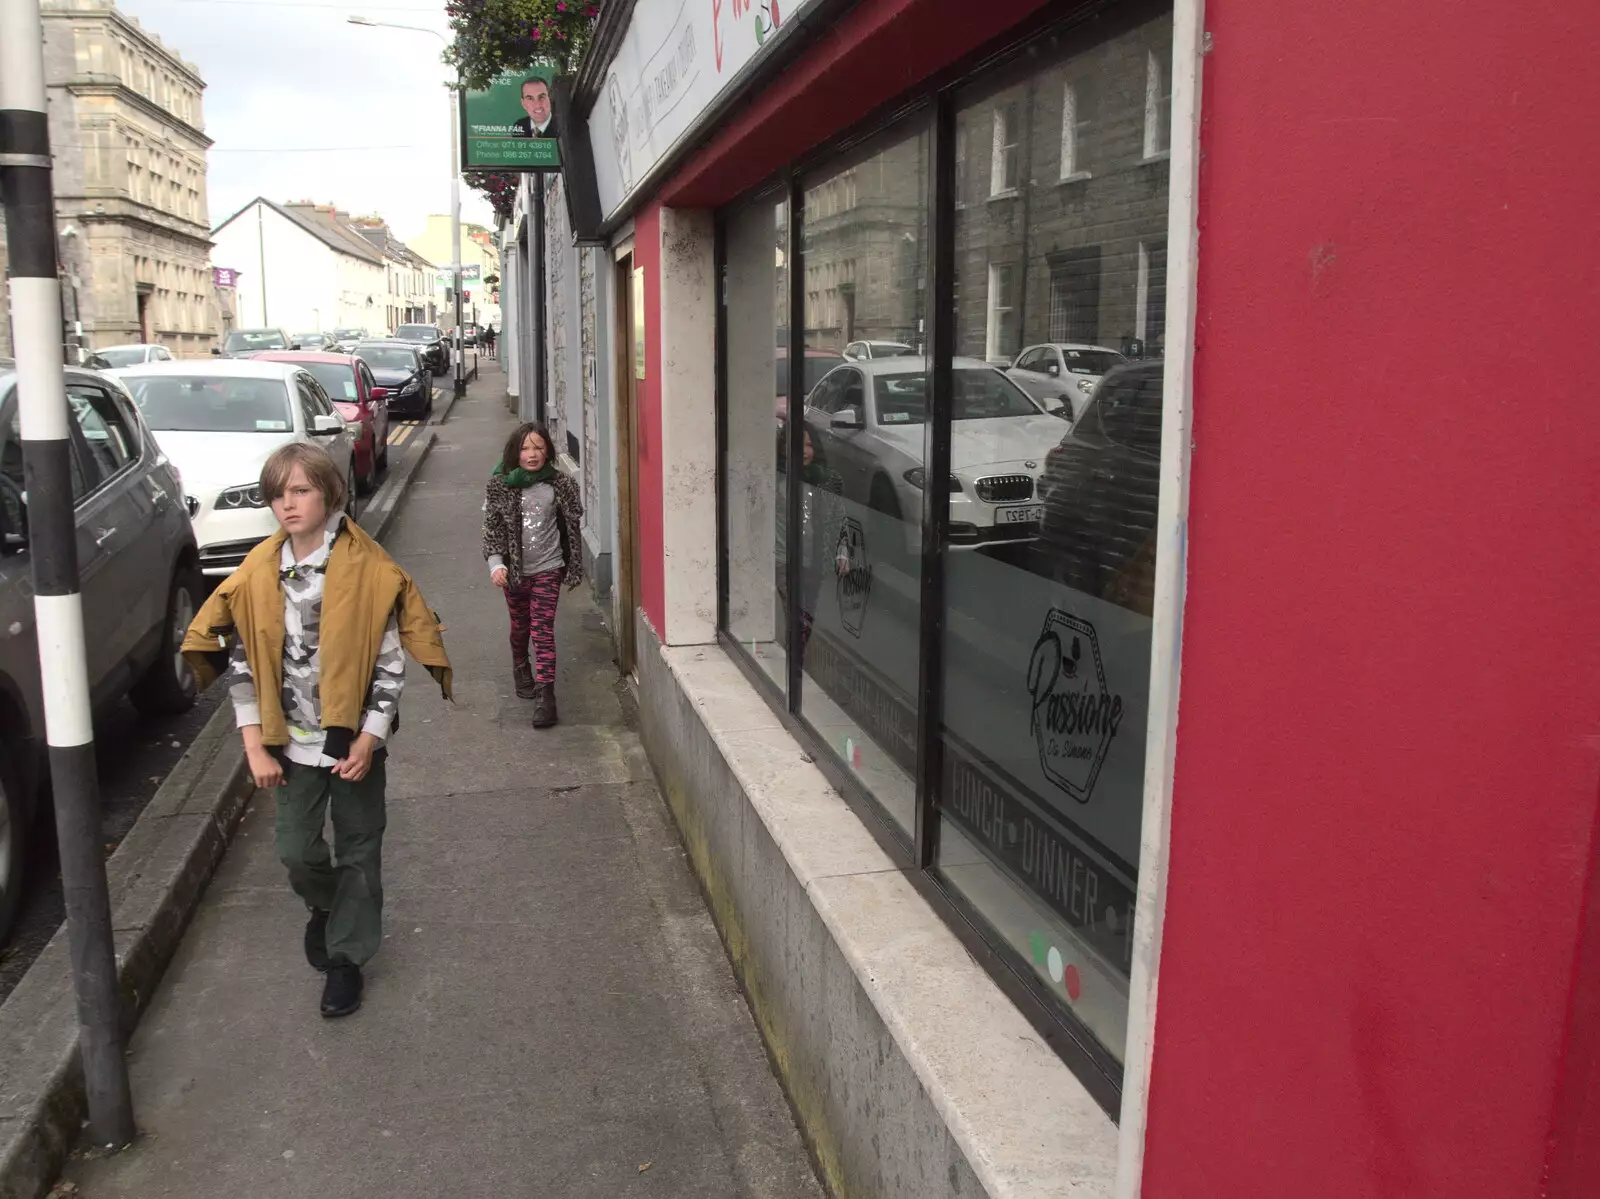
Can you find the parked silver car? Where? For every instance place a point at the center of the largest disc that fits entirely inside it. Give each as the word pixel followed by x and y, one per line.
pixel 139 579
pixel 1062 375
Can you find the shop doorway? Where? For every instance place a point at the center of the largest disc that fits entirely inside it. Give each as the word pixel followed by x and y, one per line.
pixel 629 374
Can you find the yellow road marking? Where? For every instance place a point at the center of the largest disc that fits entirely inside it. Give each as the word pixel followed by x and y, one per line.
pixel 401 435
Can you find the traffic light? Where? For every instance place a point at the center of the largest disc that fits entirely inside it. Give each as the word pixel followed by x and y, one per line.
pixel 466 297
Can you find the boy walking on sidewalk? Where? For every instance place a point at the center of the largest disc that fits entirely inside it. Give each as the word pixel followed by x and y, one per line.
pixel 317 622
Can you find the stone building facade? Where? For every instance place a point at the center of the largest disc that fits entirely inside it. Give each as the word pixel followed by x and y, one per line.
pixel 127 134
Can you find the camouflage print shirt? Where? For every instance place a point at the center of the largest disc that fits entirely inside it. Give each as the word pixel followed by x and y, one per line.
pixel 302 616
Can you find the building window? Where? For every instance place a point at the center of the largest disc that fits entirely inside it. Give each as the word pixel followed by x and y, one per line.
pixel 1003 158
pixel 1157 104
pixel 1070 127
pixel 1001 339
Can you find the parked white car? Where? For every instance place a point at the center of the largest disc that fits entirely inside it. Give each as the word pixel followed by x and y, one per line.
pixel 866 422
pixel 1063 375
pixel 866 351
pixel 218 421
pixel 119 356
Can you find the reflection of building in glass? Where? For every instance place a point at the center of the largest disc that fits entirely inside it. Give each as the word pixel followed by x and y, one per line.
pixel 866 258
pixel 1062 188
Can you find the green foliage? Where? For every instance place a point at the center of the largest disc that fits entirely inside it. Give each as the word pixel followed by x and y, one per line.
pixel 495 36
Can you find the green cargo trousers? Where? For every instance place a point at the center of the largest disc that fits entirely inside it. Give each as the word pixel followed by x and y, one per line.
pixel 349 885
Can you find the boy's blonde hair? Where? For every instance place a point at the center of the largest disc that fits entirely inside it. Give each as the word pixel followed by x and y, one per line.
pixel 321 472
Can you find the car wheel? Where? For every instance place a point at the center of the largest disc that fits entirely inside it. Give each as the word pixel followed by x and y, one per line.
pixel 168 686
pixel 13 836
pixel 883 499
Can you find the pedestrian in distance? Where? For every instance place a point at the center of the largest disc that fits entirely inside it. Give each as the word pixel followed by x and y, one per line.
pixel 487 338
pixel 311 632
pixel 531 541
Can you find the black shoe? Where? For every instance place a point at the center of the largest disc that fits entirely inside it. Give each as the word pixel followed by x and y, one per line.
pixel 522 673
pixel 544 706
pixel 317 940
pixel 341 994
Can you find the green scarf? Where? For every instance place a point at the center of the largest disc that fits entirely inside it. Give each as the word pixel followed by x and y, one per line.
pixel 520 478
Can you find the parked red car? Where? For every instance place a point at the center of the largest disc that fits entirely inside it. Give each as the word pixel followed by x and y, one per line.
pixel 350 385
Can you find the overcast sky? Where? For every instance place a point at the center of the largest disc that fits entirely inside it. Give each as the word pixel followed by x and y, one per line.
pixel 303 105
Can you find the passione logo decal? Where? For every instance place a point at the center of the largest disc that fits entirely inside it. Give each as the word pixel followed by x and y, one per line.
pixel 1074 715
pixel 855 575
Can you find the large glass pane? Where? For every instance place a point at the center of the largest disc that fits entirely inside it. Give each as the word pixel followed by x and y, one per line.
pixel 865 245
pixel 1055 445
pixel 756 241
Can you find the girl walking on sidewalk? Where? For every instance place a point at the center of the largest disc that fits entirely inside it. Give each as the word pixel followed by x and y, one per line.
pixel 531 540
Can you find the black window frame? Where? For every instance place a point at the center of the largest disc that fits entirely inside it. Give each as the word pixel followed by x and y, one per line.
pixel 990 70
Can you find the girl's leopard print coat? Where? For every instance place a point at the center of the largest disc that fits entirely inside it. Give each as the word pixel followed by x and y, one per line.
pixel 502 526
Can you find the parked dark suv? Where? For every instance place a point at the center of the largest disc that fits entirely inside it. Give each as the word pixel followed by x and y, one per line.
pixel 1100 488
pixel 430 340
pixel 139 580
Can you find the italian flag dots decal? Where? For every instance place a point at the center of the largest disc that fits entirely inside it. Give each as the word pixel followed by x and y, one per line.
pixel 852 753
pixel 1062 972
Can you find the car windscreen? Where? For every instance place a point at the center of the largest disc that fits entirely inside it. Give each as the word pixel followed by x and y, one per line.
pixel 346 334
pixel 253 339
pixel 1091 362
pixel 308 338
pixel 198 404
pixel 417 333
pixel 337 379
pixel 815 368
pixel 391 358
pixel 128 356
pixel 978 395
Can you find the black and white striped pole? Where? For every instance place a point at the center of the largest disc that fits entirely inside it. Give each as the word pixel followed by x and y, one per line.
pixel 53 549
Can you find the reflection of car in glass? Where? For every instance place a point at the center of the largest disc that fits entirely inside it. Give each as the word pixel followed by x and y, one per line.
pixel 139 589
pixel 241 343
pixel 818 363
pixel 867 417
pixel 402 371
pixel 363 404
pixel 865 351
pixel 1100 490
pixel 430 339
pixel 114 356
pixel 1062 376
pixel 218 422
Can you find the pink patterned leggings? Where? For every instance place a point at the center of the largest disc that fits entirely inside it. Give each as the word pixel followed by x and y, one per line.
pixel 532 602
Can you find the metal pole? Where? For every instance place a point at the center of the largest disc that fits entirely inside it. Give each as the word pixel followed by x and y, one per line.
pixel 540 411
pixel 52 538
pixel 261 253
pixel 455 230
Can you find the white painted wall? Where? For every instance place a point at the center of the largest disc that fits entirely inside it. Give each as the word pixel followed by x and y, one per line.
pixel 309 285
pixel 689 425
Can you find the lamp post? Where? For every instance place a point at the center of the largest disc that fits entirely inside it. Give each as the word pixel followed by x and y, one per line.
pixel 455 194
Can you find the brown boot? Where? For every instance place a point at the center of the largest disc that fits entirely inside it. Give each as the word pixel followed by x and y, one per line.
pixel 544 706
pixel 522 672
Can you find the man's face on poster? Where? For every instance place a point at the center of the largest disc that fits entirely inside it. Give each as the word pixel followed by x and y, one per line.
pixel 536 102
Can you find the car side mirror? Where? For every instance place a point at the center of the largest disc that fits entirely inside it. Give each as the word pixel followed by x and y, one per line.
pixel 216 352
pixel 325 424
pixel 378 393
pixel 1053 370
pixel 848 418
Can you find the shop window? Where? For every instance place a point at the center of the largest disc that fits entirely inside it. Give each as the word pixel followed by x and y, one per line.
pixel 756 365
pixel 861 494
pixel 1003 163
pixel 1048 576
pixel 1023 698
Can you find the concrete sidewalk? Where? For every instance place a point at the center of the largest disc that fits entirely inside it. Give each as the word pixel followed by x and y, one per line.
pixel 552 1014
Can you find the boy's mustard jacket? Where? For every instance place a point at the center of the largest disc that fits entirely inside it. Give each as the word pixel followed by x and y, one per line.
pixel 362 587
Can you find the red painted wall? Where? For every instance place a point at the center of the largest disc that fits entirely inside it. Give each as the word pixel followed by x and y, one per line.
pixel 1389 742
pixel 652 551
